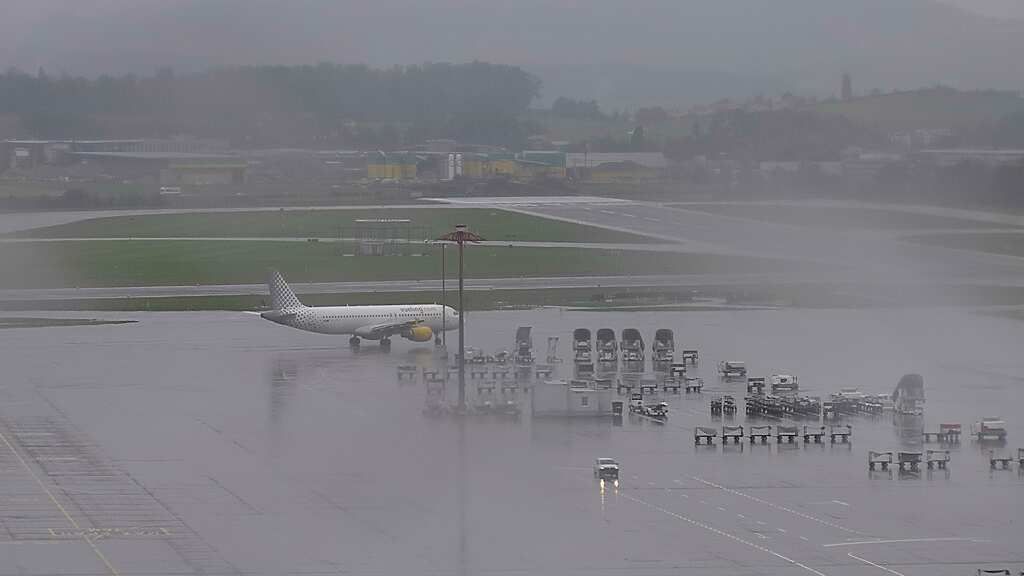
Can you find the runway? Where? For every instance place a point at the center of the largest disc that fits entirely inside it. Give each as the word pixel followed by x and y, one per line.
pixel 870 253
pixel 856 259
pixel 218 443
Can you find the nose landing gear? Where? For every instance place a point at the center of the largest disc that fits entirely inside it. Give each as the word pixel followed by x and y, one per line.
pixel 354 342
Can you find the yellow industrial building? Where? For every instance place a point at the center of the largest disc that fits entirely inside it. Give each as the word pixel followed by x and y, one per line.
pixel 620 172
pixel 489 166
pixel 532 164
pixel 391 167
pixel 476 166
pixel 528 165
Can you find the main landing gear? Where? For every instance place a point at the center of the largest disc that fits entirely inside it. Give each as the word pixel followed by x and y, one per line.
pixel 354 342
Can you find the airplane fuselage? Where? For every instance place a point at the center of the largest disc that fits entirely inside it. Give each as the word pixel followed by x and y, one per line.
pixel 361 320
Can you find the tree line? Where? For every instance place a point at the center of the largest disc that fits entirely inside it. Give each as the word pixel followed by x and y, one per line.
pixel 325 104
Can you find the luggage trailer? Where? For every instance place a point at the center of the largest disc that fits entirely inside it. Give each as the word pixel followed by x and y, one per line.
pixel 664 347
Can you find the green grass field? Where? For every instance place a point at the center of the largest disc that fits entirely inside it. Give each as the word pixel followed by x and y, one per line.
pixel 837 217
pixel 995 243
pixel 192 262
pixel 474 300
pixel 31 322
pixel 491 224
pixel 10 189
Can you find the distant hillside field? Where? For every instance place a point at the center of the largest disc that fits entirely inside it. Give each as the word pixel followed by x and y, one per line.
pixel 581 129
pixel 926 109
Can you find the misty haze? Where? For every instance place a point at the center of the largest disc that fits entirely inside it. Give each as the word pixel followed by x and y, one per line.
pixel 544 287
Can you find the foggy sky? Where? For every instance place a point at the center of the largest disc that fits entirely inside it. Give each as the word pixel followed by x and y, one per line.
pixel 992 8
pixel 579 47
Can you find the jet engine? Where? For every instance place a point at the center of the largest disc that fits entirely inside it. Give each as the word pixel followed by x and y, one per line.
pixel 418 334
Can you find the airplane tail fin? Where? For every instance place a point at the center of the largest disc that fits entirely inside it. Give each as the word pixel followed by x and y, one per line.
pixel 281 295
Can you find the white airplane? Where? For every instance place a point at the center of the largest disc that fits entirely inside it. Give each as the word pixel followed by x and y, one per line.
pixel 416 322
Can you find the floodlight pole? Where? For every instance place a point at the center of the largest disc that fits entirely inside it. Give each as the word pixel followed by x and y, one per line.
pixel 462 339
pixel 460 236
pixel 444 304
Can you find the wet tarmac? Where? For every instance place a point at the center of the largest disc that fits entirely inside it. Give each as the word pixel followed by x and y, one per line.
pixel 873 255
pixel 218 443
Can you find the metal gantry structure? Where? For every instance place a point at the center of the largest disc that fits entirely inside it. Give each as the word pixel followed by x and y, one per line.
pixel 383 237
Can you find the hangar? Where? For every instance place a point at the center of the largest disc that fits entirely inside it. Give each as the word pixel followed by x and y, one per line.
pixel 173 168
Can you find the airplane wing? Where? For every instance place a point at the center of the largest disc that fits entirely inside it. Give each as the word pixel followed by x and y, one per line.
pixel 384 330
